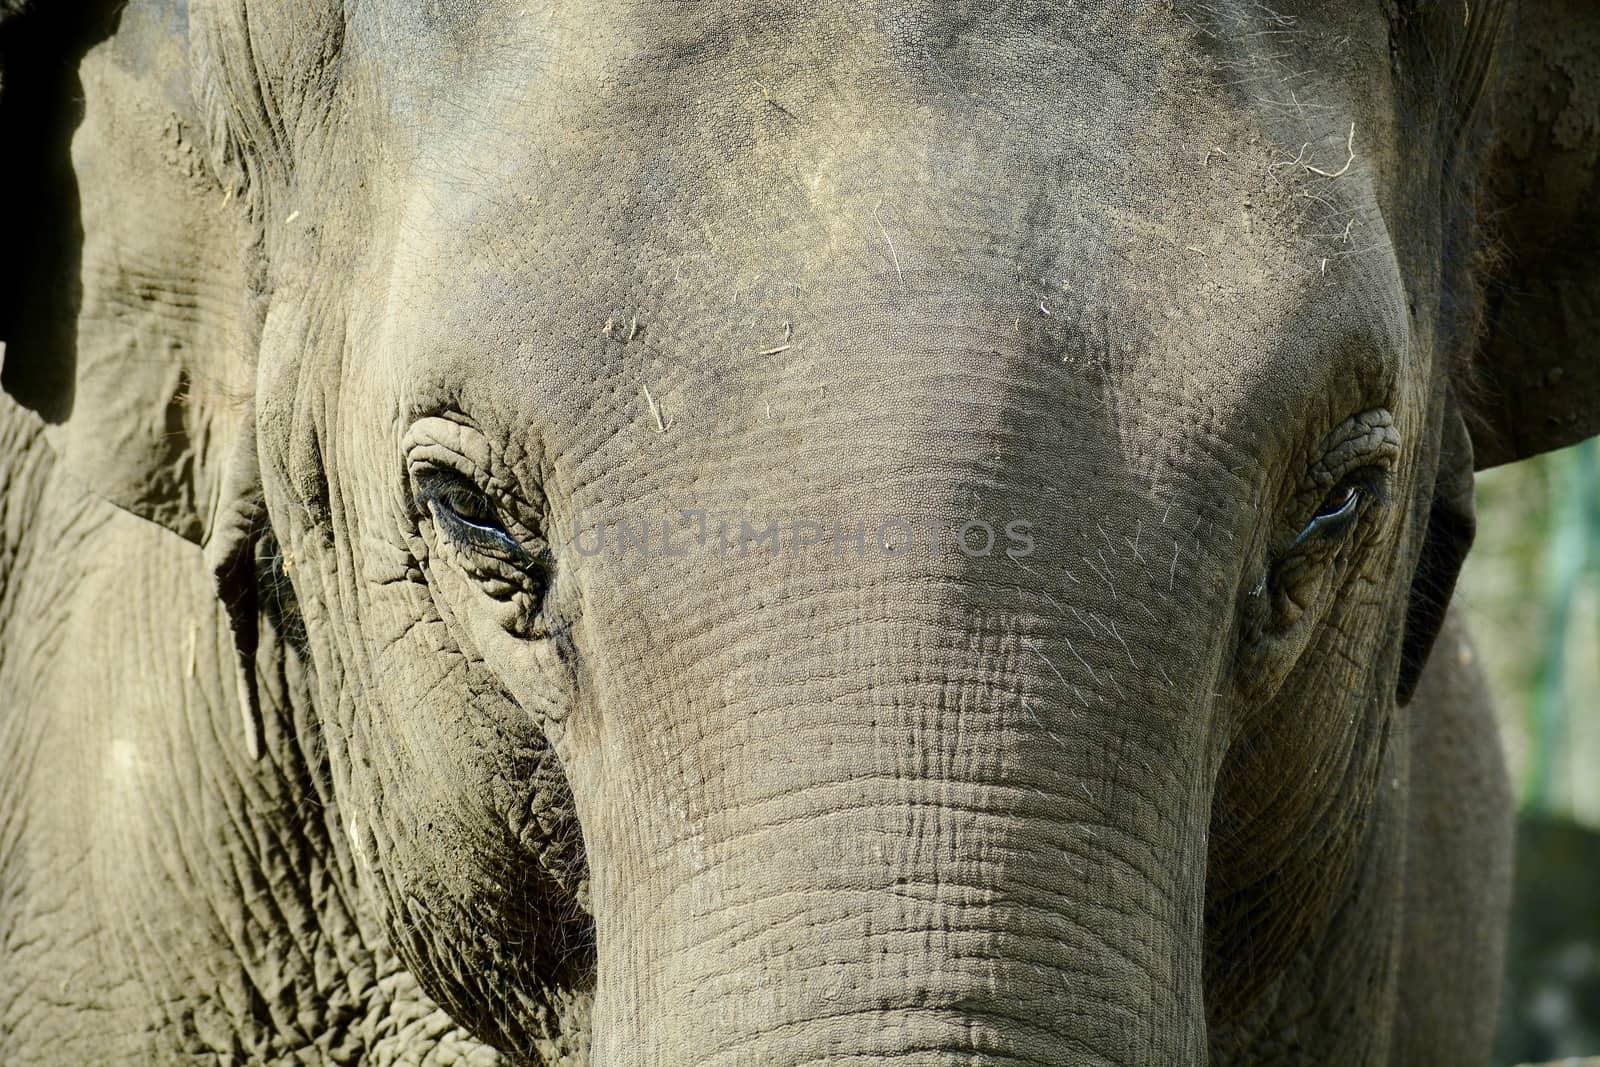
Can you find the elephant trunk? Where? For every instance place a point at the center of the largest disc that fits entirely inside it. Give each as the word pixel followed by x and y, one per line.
pixel 956 850
pixel 939 806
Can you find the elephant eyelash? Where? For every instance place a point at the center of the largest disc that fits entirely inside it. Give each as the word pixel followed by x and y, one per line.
pixel 1343 507
pixel 470 519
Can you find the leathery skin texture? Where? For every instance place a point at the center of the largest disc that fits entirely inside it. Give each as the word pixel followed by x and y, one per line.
pixel 639 534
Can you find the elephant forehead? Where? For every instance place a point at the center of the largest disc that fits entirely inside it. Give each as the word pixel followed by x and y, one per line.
pixel 714 249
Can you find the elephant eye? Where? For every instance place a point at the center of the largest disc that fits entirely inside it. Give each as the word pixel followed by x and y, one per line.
pixel 1336 512
pixel 470 507
pixel 469 518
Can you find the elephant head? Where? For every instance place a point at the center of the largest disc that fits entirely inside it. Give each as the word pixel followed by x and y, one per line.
pixel 832 534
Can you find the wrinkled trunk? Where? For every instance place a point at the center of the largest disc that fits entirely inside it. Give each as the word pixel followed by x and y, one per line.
pixel 938 805
pixel 934 854
pixel 912 810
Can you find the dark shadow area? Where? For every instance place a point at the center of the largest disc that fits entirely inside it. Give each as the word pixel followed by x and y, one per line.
pixel 1551 1005
pixel 41 105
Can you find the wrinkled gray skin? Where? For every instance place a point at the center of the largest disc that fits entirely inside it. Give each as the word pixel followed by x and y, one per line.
pixel 370 308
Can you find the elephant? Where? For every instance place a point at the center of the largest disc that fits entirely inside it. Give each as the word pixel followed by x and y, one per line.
pixel 744 533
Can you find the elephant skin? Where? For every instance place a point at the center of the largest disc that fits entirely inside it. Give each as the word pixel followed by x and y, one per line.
pixel 643 534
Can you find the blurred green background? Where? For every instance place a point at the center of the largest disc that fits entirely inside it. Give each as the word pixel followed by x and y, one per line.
pixel 1531 593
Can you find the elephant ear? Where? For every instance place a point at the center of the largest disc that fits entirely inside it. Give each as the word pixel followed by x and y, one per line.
pixel 125 307
pixel 1537 368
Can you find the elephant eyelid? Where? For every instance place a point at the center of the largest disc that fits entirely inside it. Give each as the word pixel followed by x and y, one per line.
pixel 467 517
pixel 1342 507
